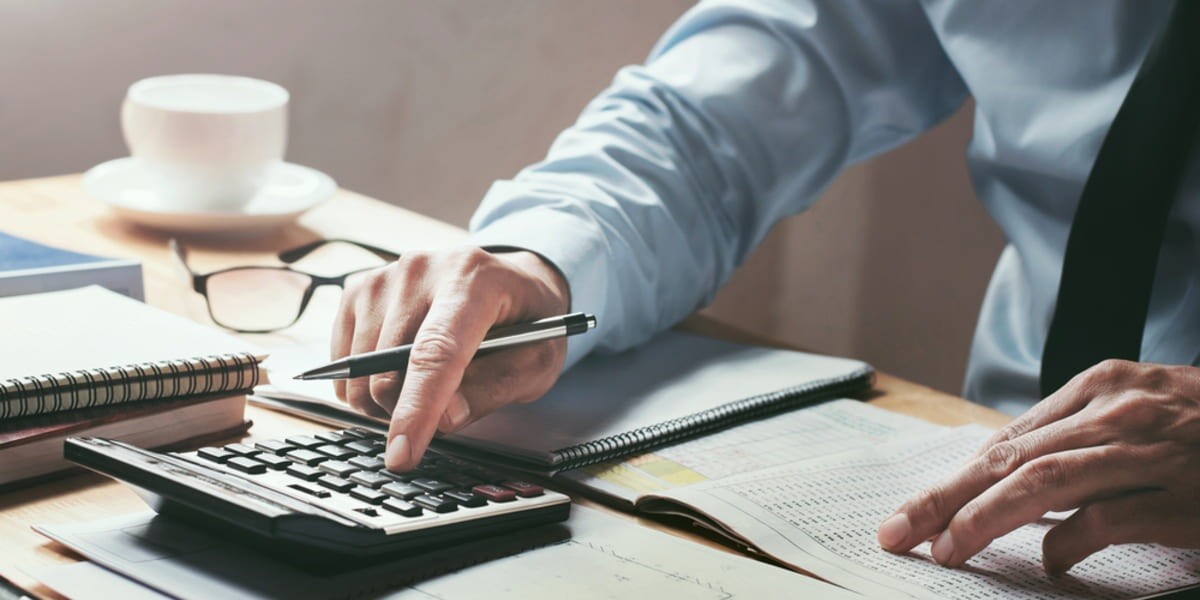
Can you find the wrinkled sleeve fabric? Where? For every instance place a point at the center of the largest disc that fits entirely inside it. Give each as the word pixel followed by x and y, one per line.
pixel 742 114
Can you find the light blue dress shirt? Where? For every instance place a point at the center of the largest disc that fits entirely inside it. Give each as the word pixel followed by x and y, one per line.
pixel 746 110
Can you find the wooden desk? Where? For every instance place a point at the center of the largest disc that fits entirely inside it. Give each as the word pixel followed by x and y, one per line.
pixel 56 211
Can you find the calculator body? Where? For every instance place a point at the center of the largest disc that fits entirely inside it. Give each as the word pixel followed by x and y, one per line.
pixel 317 521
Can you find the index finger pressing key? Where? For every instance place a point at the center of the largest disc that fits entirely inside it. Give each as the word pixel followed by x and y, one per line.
pixel 442 349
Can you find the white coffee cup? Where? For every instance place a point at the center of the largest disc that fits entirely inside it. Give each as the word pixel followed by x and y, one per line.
pixel 207 142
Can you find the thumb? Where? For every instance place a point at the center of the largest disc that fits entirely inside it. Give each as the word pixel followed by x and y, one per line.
pixel 1139 517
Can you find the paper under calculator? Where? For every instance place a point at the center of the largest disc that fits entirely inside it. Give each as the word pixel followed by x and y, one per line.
pixel 327 495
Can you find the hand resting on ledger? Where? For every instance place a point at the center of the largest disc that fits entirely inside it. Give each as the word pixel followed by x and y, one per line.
pixel 444 303
pixel 1120 442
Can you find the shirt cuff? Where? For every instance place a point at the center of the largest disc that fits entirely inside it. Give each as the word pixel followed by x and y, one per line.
pixel 573 245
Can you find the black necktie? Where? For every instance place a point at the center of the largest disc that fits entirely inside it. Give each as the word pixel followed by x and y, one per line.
pixel 1109 265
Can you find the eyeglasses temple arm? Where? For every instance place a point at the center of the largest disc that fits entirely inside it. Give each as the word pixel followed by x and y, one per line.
pixel 180 254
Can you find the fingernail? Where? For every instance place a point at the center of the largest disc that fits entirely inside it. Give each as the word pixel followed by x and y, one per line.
pixel 894 531
pixel 943 548
pixel 397 451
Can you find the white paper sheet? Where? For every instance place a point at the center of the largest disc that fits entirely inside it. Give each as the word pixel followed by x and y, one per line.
pixel 606 557
pixel 821 515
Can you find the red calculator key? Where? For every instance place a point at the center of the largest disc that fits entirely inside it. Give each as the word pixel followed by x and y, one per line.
pixel 495 493
pixel 524 489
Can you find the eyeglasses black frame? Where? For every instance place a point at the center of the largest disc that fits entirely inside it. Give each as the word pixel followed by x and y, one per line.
pixel 199 281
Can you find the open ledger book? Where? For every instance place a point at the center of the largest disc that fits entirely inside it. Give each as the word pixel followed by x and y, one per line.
pixel 809 487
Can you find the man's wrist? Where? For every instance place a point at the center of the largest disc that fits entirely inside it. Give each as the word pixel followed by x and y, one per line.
pixel 542 269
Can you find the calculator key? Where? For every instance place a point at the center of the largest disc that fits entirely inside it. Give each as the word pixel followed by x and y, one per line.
pixel 337 467
pixel 304 472
pixel 361 447
pixel 404 491
pixel 436 503
pixel 367 463
pixel 334 451
pixel 358 433
pixel 335 483
pixel 495 493
pixel 312 491
pixel 370 479
pixel 277 463
pixel 401 507
pixel 524 489
pixel 368 495
pixel 431 485
pixel 304 441
pixel 406 476
pixel 274 446
pixel 242 449
pixel 217 455
pixel 461 480
pixel 466 499
pixel 307 457
pixel 246 465
pixel 332 437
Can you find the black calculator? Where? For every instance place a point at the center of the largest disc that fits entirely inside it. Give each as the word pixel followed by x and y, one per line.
pixel 326 497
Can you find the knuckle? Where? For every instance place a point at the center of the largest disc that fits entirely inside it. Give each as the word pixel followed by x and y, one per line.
pixel 971 522
pixel 1002 459
pixel 1104 372
pixel 433 350
pixel 408 273
pixel 373 283
pixel 1006 433
pixel 1043 474
pixel 414 262
pixel 1133 410
pixel 931 506
pixel 469 262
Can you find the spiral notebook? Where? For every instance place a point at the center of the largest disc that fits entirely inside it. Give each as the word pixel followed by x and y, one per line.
pixel 674 387
pixel 90 347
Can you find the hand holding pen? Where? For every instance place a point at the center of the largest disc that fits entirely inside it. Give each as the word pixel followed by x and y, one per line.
pixel 445 304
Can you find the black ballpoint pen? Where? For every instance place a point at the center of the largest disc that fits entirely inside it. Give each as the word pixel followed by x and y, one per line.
pixel 396 359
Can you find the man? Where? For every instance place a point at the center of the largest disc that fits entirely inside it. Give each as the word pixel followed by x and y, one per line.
pixel 743 113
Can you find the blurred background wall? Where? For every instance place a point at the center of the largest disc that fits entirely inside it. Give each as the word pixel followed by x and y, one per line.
pixel 423 104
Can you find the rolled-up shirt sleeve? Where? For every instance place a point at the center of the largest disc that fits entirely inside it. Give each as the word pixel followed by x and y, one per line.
pixel 742 114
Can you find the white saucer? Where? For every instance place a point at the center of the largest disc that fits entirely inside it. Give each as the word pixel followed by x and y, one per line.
pixel 123 185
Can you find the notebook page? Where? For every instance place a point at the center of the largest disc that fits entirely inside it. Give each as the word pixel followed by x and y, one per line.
pixel 821 515
pixel 827 428
pixel 92 328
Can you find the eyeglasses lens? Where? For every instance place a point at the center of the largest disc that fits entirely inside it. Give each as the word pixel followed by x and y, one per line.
pixel 255 299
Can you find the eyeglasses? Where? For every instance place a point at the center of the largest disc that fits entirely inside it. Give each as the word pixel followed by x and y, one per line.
pixel 262 299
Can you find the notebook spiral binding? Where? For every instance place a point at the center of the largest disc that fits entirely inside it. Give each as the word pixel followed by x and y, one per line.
pixel 726 415
pixel 89 388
